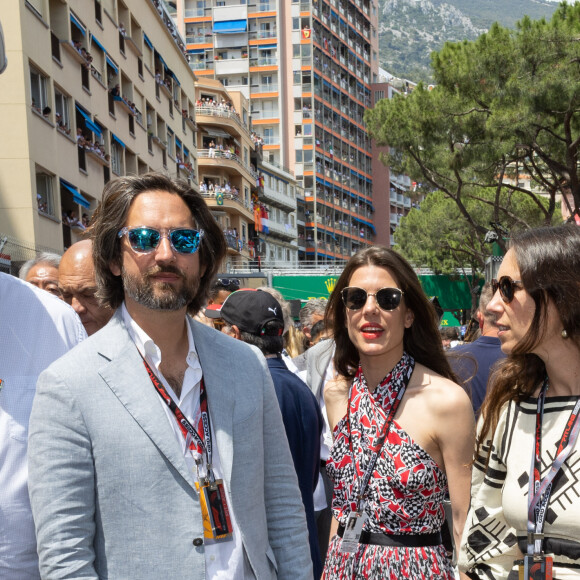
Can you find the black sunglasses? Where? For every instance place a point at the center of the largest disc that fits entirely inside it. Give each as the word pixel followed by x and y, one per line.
pixel 144 239
pixel 506 287
pixel 228 282
pixel 387 298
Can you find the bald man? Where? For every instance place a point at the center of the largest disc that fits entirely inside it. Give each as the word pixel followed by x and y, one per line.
pixel 76 281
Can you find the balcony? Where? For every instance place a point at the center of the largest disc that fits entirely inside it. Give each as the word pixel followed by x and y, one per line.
pixel 217 111
pixel 232 66
pixel 263 34
pixel 282 230
pixel 264 61
pixel 228 201
pixel 224 157
pixel 271 196
pixel 194 12
pixel 267 88
pixel 204 39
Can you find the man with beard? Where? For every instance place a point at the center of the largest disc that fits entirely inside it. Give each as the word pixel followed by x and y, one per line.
pixel 156 448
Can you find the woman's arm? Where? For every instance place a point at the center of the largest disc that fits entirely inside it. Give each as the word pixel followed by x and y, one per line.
pixel 455 433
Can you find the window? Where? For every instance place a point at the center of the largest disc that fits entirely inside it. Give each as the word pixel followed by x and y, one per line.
pixel 307 129
pixel 170 143
pixel 62 111
pixel 116 158
pixel 44 194
pixel 38 90
pixel 308 156
pixel 295 50
pixel 295 23
pixel 298 155
pixel 98 11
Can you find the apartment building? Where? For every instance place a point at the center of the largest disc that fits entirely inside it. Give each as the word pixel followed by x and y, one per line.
pixel 338 62
pixel 254 201
pixel 391 192
pixel 306 68
pixel 93 90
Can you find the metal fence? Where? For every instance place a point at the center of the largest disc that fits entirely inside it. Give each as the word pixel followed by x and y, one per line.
pixel 14 252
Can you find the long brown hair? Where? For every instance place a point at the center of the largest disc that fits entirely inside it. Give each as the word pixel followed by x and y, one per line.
pixel 549 262
pixel 111 216
pixel 421 340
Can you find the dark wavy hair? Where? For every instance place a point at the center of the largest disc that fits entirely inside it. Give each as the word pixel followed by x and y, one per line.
pixel 549 262
pixel 421 340
pixel 111 216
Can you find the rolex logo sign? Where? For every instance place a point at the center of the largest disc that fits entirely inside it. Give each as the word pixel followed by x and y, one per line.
pixel 330 283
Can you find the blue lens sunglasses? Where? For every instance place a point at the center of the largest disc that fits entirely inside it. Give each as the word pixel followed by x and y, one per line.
pixel 144 239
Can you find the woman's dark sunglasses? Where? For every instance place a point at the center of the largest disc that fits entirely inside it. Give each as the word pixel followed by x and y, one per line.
pixel 387 298
pixel 506 287
pixel 144 239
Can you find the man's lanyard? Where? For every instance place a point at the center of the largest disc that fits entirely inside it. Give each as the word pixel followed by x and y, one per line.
pixel 539 490
pixel 200 443
pixel 379 443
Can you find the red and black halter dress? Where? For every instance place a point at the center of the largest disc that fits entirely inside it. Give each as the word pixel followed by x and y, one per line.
pixel 404 494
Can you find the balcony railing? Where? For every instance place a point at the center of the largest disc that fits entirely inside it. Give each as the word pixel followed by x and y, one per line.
pixel 263 33
pixel 203 39
pixel 228 156
pixel 194 12
pixel 229 197
pixel 264 61
pixel 267 88
pixel 211 111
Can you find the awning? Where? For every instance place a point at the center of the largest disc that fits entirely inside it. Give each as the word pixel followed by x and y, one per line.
pixel 174 77
pixel 196 51
pixel 161 60
pixel 267 46
pixel 217 133
pixel 77 23
pixel 95 41
pixel 230 26
pixel 112 64
pixel 185 153
pixel 90 125
pixel 77 196
pixel 147 41
pixel 449 320
pixel 115 138
pixel 178 143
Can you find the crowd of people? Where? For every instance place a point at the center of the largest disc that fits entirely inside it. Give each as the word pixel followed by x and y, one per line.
pixel 341 446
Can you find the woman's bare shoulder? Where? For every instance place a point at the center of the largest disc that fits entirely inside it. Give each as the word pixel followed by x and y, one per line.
pixel 442 394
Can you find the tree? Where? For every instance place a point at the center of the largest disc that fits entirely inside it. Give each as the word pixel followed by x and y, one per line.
pixel 435 236
pixel 505 104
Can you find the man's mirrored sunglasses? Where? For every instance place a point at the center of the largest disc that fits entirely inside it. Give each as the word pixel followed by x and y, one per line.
pixel 144 239
pixel 387 298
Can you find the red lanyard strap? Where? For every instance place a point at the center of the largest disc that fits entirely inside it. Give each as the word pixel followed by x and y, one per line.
pixel 201 443
pixel 377 447
pixel 539 490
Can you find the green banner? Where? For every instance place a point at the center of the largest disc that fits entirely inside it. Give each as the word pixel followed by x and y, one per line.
pixel 453 294
pixel 304 287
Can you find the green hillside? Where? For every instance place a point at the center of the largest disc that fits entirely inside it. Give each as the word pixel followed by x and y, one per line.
pixel 409 30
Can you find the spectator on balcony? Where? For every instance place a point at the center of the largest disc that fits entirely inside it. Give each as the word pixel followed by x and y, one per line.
pixel 211 149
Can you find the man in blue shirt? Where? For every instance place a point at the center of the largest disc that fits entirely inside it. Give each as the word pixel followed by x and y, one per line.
pixel 473 361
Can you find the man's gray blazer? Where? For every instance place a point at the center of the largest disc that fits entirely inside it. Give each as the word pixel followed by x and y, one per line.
pixel 110 490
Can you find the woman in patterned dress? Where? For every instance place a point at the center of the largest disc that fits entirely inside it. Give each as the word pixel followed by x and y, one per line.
pixel 537 311
pixel 388 349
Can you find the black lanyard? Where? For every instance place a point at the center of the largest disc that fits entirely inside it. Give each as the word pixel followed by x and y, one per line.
pixel 202 442
pixel 377 448
pixel 539 490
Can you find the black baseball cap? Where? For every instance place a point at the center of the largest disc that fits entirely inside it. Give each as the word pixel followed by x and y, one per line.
pixel 250 310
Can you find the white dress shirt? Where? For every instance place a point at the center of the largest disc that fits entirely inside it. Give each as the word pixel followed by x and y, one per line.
pixel 36 328
pixel 223 560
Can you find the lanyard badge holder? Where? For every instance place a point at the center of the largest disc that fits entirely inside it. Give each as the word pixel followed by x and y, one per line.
pixel 217 523
pixel 536 565
pixel 357 518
